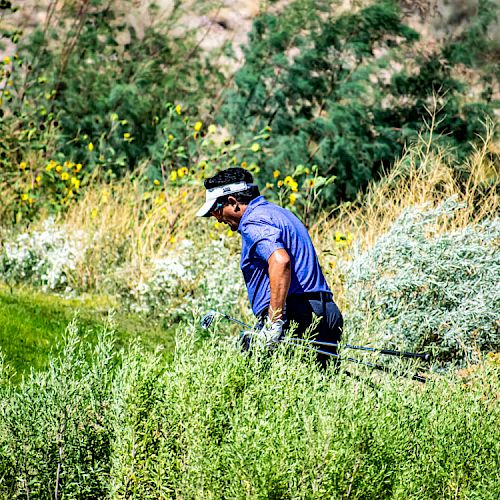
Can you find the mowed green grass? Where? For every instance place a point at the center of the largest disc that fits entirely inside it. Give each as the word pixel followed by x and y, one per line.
pixel 32 325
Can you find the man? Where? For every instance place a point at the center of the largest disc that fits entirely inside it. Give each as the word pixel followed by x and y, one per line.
pixel 279 263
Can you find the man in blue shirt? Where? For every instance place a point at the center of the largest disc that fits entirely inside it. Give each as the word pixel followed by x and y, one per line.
pixel 278 261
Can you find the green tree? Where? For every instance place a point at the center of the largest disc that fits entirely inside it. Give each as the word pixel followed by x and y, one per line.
pixel 337 92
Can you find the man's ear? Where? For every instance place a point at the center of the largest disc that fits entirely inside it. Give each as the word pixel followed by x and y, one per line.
pixel 233 201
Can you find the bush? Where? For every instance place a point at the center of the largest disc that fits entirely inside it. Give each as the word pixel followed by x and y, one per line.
pixel 181 284
pixel 429 288
pixel 44 258
pixel 217 424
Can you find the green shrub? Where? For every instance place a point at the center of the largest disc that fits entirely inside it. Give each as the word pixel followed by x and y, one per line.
pixel 101 90
pixel 216 423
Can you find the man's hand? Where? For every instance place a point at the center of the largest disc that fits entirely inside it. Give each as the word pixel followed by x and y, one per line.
pixel 271 333
pixel 267 337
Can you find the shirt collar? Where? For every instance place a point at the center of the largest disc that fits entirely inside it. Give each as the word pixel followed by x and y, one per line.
pixel 250 208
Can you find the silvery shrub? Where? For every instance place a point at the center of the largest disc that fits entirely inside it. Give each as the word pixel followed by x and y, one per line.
pixel 43 257
pixel 422 286
pixel 189 280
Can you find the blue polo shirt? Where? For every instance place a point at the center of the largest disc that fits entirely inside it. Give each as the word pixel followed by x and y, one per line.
pixel 265 228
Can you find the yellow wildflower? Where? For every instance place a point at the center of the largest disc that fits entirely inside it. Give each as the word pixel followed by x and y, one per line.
pixel 70 193
pixel 30 200
pixel 244 164
pixel 6 60
pixel 181 172
pixel 22 165
pixel 114 117
pixel 198 125
pixel 105 196
pixel 75 182
pixel 269 185
pixel 59 168
pixel 38 179
pixel 126 135
pixel 78 167
pixel 10 83
pixel 332 264
pixel 158 200
pixel 24 196
pixel 276 174
pixel 288 181
pixel 229 232
pixel 202 165
pixel 310 183
pixel 90 146
pixel 217 225
pixel 255 147
pixel 171 137
pixel 212 129
pixel 293 199
pixel 178 109
pixel 65 176
pixel 172 239
pixel 163 211
pixel 93 214
pixel 294 186
pixel 156 182
pixel 173 175
pixel 280 184
pixel 6 93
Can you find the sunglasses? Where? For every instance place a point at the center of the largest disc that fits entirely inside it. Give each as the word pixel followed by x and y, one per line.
pixel 219 206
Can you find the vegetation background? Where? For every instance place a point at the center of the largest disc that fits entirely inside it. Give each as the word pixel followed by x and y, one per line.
pixel 375 121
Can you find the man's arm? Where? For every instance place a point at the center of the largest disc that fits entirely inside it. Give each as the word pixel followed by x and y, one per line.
pixel 279 278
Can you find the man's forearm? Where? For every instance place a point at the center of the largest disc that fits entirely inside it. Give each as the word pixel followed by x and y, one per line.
pixel 279 279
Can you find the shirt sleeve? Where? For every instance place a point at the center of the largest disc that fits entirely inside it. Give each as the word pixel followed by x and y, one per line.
pixel 263 239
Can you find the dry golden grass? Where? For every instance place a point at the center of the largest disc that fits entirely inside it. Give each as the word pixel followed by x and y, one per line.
pixel 129 225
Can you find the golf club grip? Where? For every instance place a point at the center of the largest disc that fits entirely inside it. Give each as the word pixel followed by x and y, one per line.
pixel 425 356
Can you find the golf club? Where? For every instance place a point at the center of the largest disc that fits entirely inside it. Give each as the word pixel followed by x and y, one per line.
pixel 208 319
pixel 390 352
pixel 385 369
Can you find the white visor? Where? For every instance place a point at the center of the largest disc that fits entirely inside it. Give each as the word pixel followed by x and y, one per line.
pixel 216 192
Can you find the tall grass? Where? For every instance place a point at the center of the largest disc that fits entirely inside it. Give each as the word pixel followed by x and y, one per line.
pixel 218 424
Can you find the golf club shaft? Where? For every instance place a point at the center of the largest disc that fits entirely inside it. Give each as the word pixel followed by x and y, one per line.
pixel 235 320
pixel 390 352
pixel 385 369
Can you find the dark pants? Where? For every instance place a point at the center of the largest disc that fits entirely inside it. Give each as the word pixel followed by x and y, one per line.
pixel 300 309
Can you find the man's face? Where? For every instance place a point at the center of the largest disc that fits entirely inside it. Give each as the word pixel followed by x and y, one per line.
pixel 229 213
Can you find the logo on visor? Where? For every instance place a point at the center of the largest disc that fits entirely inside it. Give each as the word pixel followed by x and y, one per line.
pixel 226 190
